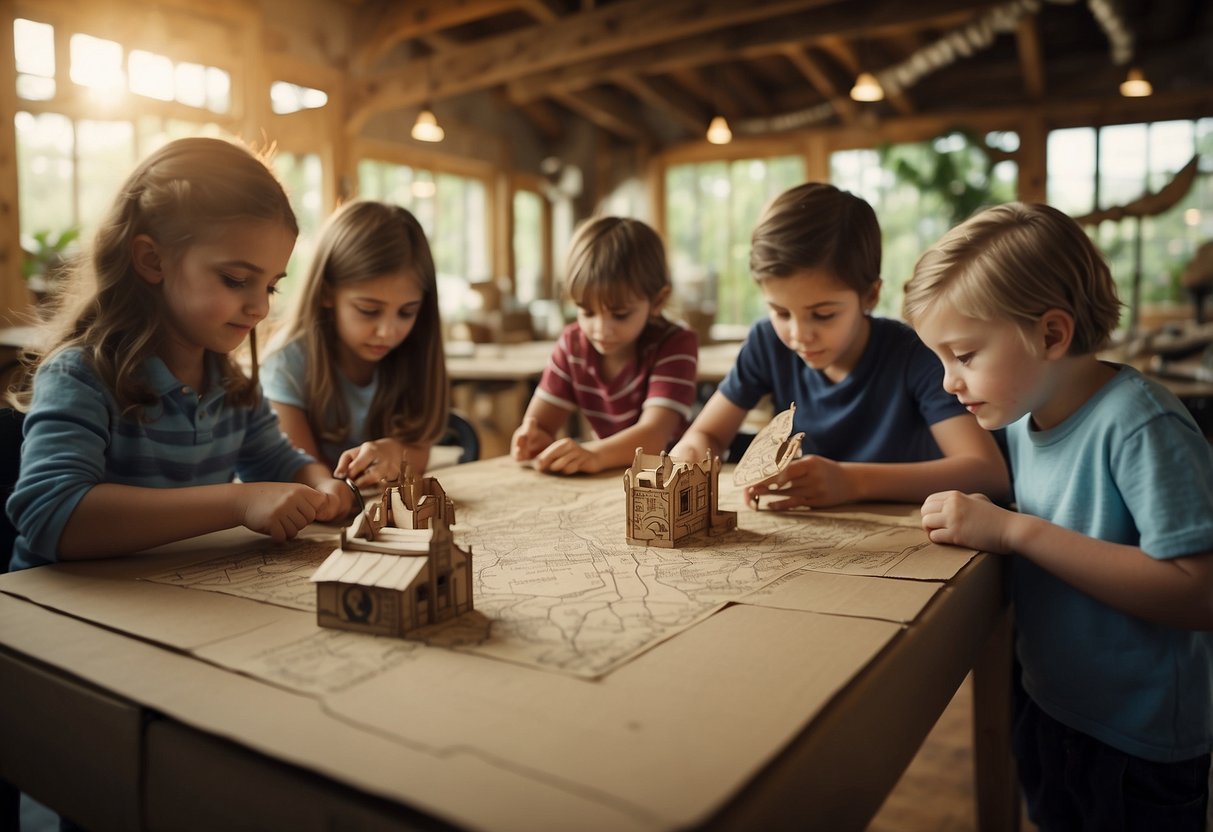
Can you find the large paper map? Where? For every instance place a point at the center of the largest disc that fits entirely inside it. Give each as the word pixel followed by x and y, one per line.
pixel 556 585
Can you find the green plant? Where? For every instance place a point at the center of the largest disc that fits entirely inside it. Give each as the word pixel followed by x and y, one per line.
pixel 45 254
pixel 958 171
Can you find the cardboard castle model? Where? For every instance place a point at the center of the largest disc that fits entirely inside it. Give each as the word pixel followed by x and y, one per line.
pixel 669 501
pixel 397 567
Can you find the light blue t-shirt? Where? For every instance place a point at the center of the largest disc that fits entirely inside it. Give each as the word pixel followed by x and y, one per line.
pixel 76 437
pixel 282 377
pixel 1130 466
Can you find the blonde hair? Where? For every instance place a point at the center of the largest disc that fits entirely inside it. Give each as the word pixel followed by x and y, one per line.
pixel 817 226
pixel 187 191
pixel 1015 262
pixel 613 259
pixel 363 241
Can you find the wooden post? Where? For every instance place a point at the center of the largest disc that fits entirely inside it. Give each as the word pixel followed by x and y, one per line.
pixel 14 296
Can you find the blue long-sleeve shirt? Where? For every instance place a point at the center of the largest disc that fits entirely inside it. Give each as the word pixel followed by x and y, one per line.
pixel 76 437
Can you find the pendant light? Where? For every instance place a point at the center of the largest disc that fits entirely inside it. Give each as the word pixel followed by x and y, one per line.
pixel 719 132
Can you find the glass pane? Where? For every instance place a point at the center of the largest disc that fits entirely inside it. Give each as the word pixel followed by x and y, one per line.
pixel 218 90
pixel 528 245
pixel 1123 157
pixel 97 64
pixel 291 98
pixel 45 173
pixel 35 87
pixel 189 84
pixel 34 45
pixel 303 177
pixel 151 74
pixel 1070 185
pixel 105 155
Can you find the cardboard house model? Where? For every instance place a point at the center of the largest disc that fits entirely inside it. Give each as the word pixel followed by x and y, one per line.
pixel 397 568
pixel 668 502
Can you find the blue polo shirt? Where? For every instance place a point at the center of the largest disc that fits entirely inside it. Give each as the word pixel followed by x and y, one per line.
pixel 881 412
pixel 76 437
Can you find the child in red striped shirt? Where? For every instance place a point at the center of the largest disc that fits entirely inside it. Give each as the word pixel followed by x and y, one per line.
pixel 628 370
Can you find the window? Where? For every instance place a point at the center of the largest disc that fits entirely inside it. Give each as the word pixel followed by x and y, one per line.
pixel 1101 168
pixel 529 237
pixel 70 167
pixel 453 212
pixel 684 501
pixel 291 98
pixel 711 209
pixel 35 53
pixel 302 174
pixel 913 190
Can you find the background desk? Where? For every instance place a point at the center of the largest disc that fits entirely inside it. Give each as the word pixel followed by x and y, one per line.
pixel 130 703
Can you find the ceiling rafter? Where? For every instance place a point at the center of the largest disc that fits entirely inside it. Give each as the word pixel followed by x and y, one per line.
pixel 846 55
pixel 661 94
pixel 610 111
pixel 743 42
pixel 1031 56
pixel 816 75
pixel 417 18
pixel 597 33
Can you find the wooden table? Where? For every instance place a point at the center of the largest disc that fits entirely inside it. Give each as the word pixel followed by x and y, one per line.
pixel 663 697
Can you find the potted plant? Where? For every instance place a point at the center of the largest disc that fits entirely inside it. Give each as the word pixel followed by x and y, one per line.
pixel 45 259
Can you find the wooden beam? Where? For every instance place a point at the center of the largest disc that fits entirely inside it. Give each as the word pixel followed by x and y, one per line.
pixel 406 20
pixel 1031 57
pixel 845 54
pixel 545 11
pixel 747 96
pixel 545 119
pixel 598 33
pixel 14 294
pixel 742 42
pixel 670 99
pixel 610 112
pixel 821 81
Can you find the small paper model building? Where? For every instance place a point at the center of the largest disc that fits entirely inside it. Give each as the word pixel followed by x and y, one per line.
pixel 770 452
pixel 669 501
pixel 397 567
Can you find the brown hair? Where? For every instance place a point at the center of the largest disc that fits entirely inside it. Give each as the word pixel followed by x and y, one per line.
pixel 1015 262
pixel 186 191
pixel 612 259
pixel 362 241
pixel 817 226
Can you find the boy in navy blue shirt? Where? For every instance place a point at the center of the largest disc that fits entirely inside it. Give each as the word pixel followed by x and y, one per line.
pixel 869 396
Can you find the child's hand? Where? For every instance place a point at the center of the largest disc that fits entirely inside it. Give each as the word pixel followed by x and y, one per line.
pixel 529 439
pixel 279 509
pixel 966 520
pixel 371 462
pixel 809 481
pixel 567 456
pixel 686 452
pixel 339 500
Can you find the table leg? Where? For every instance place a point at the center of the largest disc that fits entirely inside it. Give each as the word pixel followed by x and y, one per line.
pixel 994 766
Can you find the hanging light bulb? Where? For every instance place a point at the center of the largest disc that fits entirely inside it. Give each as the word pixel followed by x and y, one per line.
pixel 1135 84
pixel 719 132
pixel 426 128
pixel 867 88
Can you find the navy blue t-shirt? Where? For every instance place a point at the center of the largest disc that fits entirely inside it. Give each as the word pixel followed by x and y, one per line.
pixel 881 412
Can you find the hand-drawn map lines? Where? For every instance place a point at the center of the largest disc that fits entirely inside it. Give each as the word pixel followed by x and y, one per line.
pixel 562 591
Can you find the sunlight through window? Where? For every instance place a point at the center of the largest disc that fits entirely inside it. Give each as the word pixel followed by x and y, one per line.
pixel 97 64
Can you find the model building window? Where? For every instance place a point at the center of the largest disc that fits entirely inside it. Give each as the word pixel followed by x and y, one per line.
pixel 444 591
pixel 684 501
pixel 423 593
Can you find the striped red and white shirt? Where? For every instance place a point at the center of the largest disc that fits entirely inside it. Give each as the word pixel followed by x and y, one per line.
pixel 663 375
